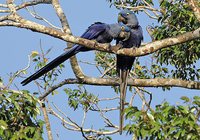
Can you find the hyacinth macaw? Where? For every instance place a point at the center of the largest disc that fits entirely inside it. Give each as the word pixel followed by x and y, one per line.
pixel 124 63
pixel 101 32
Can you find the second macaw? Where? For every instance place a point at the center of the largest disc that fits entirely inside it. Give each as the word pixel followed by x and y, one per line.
pixel 124 63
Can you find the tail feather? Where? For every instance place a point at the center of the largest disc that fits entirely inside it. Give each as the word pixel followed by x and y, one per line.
pixel 123 86
pixel 57 61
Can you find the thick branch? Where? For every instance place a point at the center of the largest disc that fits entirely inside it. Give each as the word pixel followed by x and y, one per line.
pixel 32 3
pixel 26 4
pixel 160 44
pixel 145 50
pixel 73 60
pixel 61 15
pixel 158 82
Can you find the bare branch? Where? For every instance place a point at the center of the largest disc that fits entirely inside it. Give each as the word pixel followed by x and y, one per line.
pixel 108 99
pixel 146 8
pixel 138 8
pixel 76 127
pixel 132 99
pixel 150 97
pixel 71 123
pixel 3 5
pixel 73 60
pixel 37 16
pixel 101 132
pixel 19 72
pixel 157 82
pixel 107 121
pixel 62 17
pixel 11 6
pixel 142 97
pixel 46 119
pixel 25 4
pixel 160 44
pixel 105 109
pixel 145 50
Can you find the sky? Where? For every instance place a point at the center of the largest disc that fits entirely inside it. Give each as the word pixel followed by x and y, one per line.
pixel 17 44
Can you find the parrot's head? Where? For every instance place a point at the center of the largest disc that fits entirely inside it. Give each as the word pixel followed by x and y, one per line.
pixel 119 31
pixel 128 17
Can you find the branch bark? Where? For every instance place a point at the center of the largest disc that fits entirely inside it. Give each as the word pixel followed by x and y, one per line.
pixel 73 60
pixel 46 119
pixel 145 50
pixel 158 82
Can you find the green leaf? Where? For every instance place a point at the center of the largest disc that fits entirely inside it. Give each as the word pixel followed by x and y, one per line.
pixel 183 109
pixel 3 125
pixel 185 98
pixel 196 98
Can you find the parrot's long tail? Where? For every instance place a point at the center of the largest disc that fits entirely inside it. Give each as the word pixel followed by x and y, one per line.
pixel 57 61
pixel 123 87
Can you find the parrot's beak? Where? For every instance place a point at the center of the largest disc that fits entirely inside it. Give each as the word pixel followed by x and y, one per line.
pixel 121 19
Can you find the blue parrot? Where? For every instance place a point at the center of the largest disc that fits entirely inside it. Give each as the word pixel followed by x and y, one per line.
pixel 101 32
pixel 124 63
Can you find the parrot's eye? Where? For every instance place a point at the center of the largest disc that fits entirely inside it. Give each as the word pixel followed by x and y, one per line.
pixel 122 28
pixel 127 13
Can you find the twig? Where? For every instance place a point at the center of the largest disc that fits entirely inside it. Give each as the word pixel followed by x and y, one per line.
pixel 72 124
pixel 108 99
pixel 150 97
pixel 83 120
pixel 104 110
pixel 25 4
pixel 46 119
pixel 19 72
pixel 108 69
pixel 107 121
pixel 37 16
pixel 76 127
pixel 3 5
pixel 131 100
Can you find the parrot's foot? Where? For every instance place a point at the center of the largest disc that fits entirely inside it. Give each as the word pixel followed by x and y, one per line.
pixel 116 47
pixel 119 46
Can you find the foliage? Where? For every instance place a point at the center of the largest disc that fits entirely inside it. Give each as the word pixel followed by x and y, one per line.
pixel 131 3
pixel 167 121
pixel 105 61
pixel 177 18
pixel 80 98
pixel 18 112
pixel 40 61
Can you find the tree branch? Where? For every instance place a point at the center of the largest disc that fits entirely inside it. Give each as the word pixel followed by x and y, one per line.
pixel 75 127
pixel 46 119
pixel 25 4
pixel 157 82
pixel 145 50
pixel 160 44
pixel 73 60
